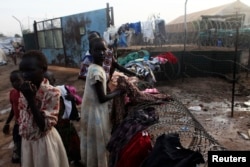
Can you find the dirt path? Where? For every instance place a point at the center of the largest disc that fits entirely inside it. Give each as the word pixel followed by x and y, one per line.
pixel 210 99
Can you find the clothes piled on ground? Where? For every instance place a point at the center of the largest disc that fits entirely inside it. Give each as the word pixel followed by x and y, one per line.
pixel 136 96
pixel 142 63
pixel 114 80
pixel 133 56
pixel 139 63
pixel 168 56
pixel 133 96
pixel 130 143
pixel 135 151
pixel 128 125
pixel 168 151
pixel 135 122
pixel 143 68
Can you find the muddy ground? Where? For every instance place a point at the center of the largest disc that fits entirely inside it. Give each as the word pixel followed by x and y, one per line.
pixel 209 100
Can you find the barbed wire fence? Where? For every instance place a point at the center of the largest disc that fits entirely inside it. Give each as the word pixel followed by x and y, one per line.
pixel 210 31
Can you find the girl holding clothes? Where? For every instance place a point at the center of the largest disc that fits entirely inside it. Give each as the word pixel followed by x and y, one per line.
pixel 39 108
pixel 95 123
pixel 68 112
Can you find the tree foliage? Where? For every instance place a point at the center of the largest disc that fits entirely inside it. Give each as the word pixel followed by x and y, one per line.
pixel 2 35
pixel 17 36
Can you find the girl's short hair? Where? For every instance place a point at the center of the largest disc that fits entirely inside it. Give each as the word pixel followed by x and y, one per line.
pixel 94 41
pixel 93 34
pixel 42 61
pixel 14 75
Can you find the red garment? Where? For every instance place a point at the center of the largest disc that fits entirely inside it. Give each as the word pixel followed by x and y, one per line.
pixel 14 98
pixel 135 151
pixel 169 56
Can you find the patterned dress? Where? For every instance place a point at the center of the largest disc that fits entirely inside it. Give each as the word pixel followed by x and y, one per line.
pixel 107 63
pixel 95 124
pixel 42 148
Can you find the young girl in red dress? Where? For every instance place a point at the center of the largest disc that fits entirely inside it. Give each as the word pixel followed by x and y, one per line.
pixel 16 80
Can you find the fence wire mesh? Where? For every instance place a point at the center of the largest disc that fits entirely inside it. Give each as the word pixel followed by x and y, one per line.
pixel 176 118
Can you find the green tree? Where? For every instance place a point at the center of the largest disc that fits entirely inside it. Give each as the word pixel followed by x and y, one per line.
pixel 26 31
pixel 2 35
pixel 17 36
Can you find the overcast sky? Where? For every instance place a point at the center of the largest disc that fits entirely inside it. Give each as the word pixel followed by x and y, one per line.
pixel 26 11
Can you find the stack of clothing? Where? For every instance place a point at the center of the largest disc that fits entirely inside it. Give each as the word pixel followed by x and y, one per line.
pixel 132 97
pixel 168 151
pixel 130 130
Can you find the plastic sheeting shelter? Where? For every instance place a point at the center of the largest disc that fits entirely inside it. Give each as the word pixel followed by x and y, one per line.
pixel 3 59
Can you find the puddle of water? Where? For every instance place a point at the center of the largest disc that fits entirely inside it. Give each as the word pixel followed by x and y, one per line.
pixel 220 119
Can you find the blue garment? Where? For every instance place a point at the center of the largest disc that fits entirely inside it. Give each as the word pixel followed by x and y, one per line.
pixel 86 61
pixel 136 26
pixel 219 43
pixel 123 40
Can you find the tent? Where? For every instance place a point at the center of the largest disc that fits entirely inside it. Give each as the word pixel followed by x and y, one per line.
pixel 3 59
pixel 219 13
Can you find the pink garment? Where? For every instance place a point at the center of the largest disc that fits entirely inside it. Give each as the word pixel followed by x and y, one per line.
pixel 162 60
pixel 151 91
pixel 73 91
